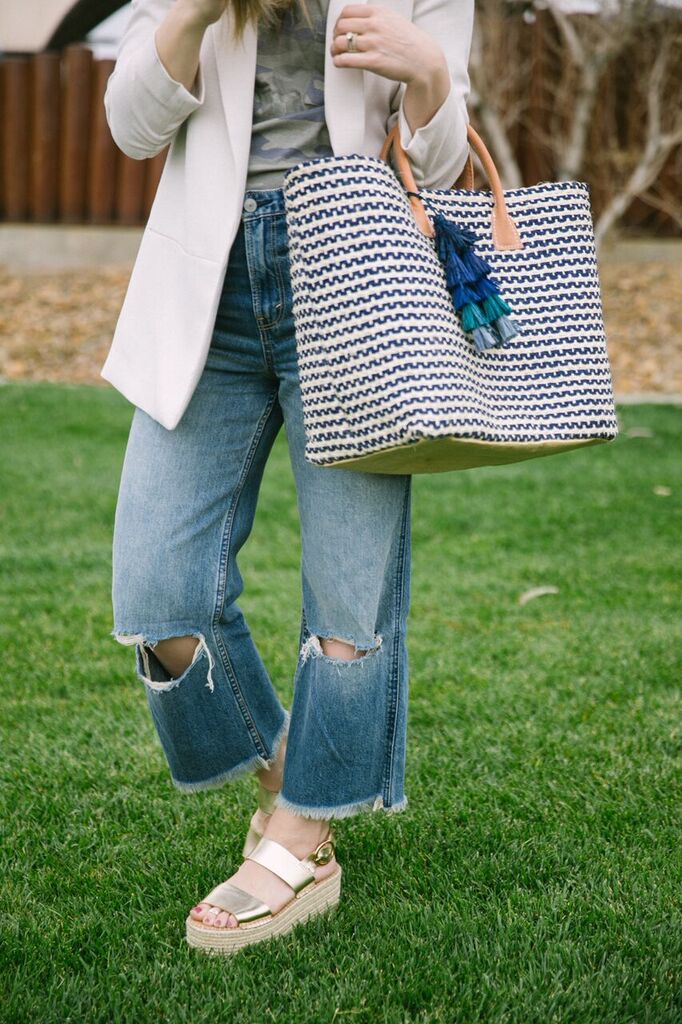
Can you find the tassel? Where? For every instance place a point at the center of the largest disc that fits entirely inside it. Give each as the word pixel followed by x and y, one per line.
pixel 472 316
pixel 494 307
pixel 464 293
pixel 476 266
pixel 475 294
pixel 449 234
pixel 484 338
pixel 505 329
pixel 455 271
pixel 487 286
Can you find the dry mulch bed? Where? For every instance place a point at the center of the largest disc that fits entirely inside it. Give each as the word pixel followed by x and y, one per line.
pixel 58 326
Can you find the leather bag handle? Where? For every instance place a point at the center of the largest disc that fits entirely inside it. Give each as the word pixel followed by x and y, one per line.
pixel 504 231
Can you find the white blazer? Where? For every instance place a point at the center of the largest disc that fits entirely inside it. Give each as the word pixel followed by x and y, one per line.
pixel 165 325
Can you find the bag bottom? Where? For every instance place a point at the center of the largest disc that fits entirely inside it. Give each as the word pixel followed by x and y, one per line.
pixel 443 454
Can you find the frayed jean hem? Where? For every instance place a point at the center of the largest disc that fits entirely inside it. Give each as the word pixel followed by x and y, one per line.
pixel 251 765
pixel 340 811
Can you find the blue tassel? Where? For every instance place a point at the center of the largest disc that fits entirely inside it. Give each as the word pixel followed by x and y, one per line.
pixel 455 272
pixel 505 329
pixel 475 294
pixel 475 266
pixel 487 287
pixel 449 233
pixel 484 338
pixel 463 293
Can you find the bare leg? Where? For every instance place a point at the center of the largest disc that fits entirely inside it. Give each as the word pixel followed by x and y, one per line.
pixel 298 834
pixel 176 653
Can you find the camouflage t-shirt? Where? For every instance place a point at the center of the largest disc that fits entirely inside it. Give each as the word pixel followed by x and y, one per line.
pixel 288 102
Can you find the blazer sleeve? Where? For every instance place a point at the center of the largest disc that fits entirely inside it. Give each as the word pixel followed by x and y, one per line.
pixel 438 150
pixel 144 106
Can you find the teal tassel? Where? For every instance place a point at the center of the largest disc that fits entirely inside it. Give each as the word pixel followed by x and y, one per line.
pixel 475 294
pixel 494 306
pixel 472 316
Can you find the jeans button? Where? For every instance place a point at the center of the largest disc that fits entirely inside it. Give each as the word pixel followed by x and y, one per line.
pixel 250 204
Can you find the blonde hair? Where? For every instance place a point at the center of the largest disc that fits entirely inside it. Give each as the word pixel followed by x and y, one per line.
pixel 268 11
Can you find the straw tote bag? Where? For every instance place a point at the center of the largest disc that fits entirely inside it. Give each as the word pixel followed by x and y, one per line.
pixel 442 329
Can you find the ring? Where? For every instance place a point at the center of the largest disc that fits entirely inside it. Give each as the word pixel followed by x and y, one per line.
pixel 352 48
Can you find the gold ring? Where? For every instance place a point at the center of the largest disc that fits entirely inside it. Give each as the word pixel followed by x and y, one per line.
pixel 352 48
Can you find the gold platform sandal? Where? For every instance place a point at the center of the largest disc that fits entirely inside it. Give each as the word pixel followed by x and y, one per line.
pixel 255 920
pixel 266 804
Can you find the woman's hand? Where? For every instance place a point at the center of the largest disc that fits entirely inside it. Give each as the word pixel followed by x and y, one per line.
pixel 388 44
pixel 205 12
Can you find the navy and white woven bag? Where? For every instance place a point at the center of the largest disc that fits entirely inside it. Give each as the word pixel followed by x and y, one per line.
pixel 441 329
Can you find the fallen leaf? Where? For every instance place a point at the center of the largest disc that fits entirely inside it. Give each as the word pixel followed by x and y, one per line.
pixel 58 325
pixel 640 432
pixel 528 595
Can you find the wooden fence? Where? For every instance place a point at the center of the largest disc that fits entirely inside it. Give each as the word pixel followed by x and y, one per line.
pixel 58 161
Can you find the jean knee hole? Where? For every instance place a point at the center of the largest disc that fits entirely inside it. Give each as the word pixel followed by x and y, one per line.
pixel 313 648
pixel 157 678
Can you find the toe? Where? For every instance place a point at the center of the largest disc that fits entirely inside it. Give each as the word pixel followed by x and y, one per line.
pixel 210 916
pixel 220 919
pixel 198 912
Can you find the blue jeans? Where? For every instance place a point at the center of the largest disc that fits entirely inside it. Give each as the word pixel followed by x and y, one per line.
pixel 185 507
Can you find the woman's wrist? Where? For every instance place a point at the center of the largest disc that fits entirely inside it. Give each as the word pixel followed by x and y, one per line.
pixel 425 93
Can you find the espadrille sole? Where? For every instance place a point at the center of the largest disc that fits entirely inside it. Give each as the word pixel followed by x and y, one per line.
pixel 315 899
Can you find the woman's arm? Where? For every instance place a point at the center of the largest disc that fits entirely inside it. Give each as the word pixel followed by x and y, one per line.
pixel 157 80
pixel 427 55
pixel 438 149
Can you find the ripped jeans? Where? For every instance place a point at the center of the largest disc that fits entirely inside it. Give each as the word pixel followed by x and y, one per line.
pixel 186 504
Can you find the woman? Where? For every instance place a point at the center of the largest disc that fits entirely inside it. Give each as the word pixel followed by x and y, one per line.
pixel 205 349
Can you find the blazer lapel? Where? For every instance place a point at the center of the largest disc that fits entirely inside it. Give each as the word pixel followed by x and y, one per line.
pixel 344 97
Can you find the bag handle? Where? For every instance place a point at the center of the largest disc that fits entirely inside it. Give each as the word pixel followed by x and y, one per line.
pixel 504 230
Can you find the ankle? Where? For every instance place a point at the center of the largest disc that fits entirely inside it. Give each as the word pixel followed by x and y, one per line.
pixel 271 778
pixel 300 835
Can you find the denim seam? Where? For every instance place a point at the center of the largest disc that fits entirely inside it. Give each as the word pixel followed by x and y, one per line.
pixel 264 327
pixel 255 292
pixel 222 578
pixel 392 717
pixel 280 285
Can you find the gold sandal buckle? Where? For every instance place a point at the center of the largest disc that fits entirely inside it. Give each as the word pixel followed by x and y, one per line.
pixel 324 852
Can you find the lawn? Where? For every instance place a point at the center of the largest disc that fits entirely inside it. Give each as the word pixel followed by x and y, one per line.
pixel 536 875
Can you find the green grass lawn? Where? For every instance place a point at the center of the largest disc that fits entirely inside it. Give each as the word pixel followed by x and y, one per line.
pixel 536 873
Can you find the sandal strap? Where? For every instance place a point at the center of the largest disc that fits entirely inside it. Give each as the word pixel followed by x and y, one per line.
pixel 272 855
pixel 234 900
